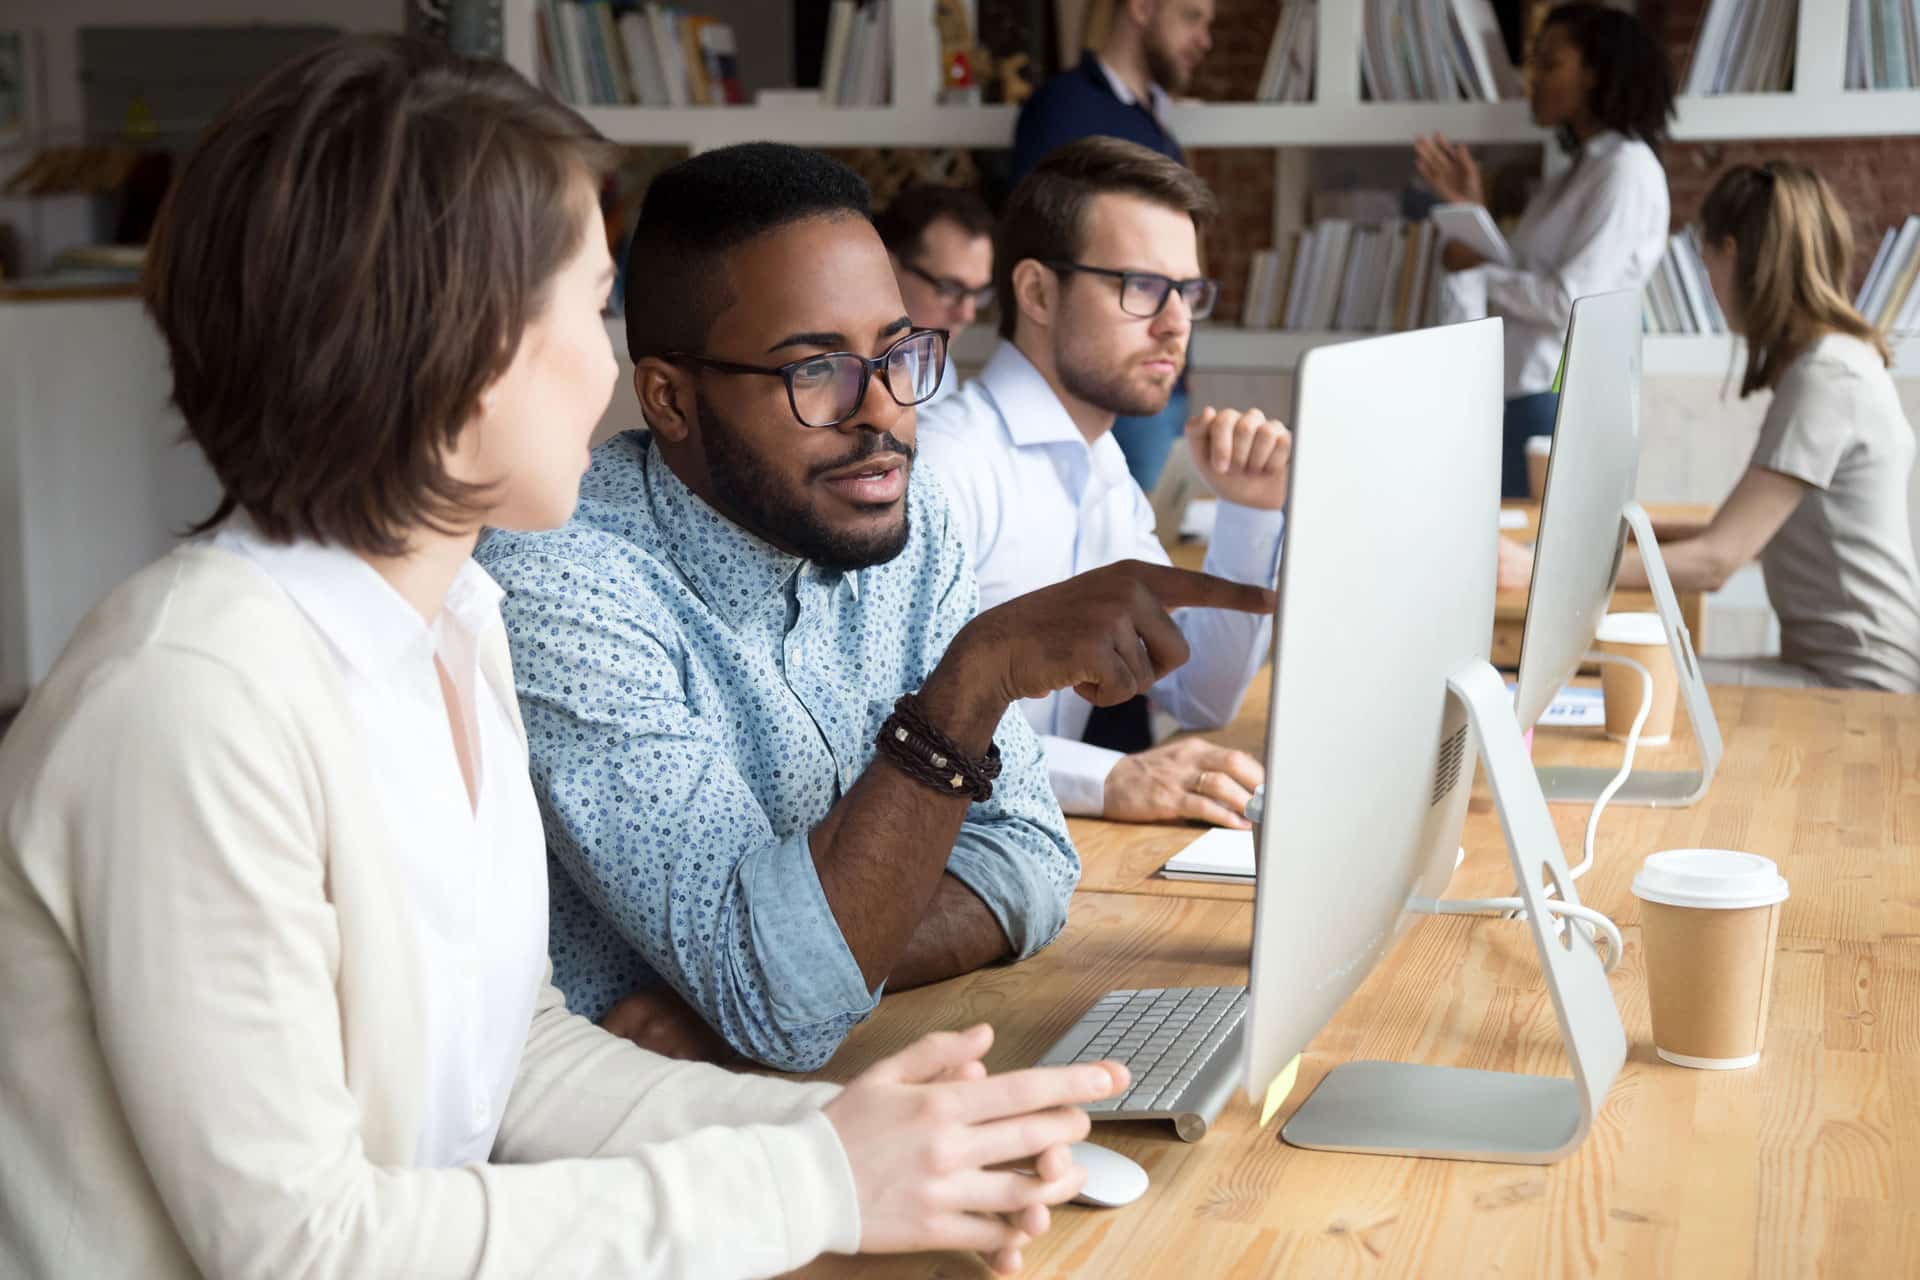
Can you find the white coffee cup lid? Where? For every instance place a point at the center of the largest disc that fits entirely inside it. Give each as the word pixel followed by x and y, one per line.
pixel 1539 444
pixel 1723 879
pixel 1631 628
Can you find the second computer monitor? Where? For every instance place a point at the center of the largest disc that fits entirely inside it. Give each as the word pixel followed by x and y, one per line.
pixel 1590 480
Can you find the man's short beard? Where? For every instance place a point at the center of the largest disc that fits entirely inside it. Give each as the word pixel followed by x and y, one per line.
pixel 1110 393
pixel 752 495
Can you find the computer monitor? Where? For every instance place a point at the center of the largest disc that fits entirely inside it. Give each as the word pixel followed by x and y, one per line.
pixel 1585 512
pixel 1383 699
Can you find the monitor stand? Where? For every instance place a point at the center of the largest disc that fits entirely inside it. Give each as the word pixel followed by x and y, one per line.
pixel 1571 784
pixel 1407 1109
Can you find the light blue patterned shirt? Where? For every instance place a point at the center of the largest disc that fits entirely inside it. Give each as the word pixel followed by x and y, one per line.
pixel 695 702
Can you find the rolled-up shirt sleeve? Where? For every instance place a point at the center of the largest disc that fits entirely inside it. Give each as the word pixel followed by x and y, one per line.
pixel 648 814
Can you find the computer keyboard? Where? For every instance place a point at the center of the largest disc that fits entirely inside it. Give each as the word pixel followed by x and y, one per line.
pixel 1181 1045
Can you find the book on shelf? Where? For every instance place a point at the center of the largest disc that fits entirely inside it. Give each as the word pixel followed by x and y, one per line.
pixel 1679 298
pixel 1883 44
pixel 1434 51
pixel 1746 46
pixel 1288 73
pixel 592 53
pixel 1890 296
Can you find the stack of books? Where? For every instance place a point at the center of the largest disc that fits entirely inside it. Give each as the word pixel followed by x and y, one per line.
pixel 1890 298
pixel 1288 76
pixel 1346 277
pixel 1679 298
pixel 1745 46
pixel 1435 51
pixel 593 55
pixel 1883 44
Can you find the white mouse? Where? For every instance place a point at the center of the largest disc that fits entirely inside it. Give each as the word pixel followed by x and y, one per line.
pixel 1112 1179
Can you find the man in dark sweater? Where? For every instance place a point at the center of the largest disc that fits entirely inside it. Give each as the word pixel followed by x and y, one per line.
pixel 1152 49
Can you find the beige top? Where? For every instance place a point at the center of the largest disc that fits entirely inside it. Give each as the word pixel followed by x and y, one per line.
pixel 1840 572
pixel 211 1045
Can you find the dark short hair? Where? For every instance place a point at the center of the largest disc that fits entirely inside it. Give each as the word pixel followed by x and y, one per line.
pixel 698 210
pixel 1632 80
pixel 902 223
pixel 1046 215
pixel 349 258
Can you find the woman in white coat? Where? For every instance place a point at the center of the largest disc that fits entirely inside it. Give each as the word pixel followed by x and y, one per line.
pixel 272 879
pixel 1602 83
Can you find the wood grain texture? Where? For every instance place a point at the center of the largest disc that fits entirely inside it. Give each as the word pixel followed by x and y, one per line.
pixel 1808 1164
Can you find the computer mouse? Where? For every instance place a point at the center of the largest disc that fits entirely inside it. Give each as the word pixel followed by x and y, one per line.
pixel 1112 1179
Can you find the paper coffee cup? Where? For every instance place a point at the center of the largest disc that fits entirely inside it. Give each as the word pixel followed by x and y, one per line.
pixel 1639 636
pixel 1539 449
pixel 1709 921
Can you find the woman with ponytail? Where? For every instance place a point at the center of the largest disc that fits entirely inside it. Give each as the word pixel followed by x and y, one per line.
pixel 1823 502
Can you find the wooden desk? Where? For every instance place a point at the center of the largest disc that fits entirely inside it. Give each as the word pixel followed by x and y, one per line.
pixel 1807 1164
pixel 1510 607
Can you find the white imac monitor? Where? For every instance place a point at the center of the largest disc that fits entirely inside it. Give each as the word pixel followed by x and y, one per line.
pixel 1383 699
pixel 1584 516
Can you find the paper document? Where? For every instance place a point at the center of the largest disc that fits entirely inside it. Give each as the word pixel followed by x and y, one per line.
pixel 1220 854
pixel 1574 707
pixel 1472 225
pixel 1512 518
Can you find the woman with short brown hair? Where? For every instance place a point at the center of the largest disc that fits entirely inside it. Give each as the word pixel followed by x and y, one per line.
pixel 272 879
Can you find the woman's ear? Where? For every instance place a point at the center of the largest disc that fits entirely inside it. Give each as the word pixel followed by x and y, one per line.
pixel 666 398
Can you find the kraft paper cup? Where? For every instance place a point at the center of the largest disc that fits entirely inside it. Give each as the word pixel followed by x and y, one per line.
pixel 1639 636
pixel 1539 449
pixel 1709 919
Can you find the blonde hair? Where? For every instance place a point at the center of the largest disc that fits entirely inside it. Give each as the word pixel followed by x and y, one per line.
pixel 1793 251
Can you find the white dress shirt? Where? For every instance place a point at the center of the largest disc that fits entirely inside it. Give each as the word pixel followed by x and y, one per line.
pixel 1157 99
pixel 949 383
pixel 476 875
pixel 1036 504
pixel 1600 226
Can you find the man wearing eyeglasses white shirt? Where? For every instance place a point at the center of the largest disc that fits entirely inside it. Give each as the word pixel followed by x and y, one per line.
pixel 1100 284
pixel 940 242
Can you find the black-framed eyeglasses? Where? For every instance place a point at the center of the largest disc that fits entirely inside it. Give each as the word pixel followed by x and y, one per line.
pixel 953 292
pixel 826 390
pixel 1143 293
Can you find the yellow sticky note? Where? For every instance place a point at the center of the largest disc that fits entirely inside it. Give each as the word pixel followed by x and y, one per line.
pixel 1277 1091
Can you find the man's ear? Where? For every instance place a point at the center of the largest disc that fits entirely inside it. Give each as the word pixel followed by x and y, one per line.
pixel 1036 292
pixel 665 392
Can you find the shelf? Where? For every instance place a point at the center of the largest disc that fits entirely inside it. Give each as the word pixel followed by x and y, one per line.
pixel 704 128
pixel 1852 114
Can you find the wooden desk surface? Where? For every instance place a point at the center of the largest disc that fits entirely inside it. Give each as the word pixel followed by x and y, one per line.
pixel 1807 1164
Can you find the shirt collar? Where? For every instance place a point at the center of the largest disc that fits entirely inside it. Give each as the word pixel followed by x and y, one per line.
pixel 1156 96
pixel 1602 144
pixel 732 570
pixel 1031 411
pixel 358 611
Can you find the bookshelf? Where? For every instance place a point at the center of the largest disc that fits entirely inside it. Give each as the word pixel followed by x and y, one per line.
pixel 1817 107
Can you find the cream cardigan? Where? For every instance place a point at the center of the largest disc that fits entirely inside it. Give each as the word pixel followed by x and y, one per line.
pixel 210 1057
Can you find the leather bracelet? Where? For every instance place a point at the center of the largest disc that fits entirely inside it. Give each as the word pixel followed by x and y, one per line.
pixel 915 746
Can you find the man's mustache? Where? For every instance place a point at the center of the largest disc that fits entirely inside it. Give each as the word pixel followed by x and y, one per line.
pixel 870 445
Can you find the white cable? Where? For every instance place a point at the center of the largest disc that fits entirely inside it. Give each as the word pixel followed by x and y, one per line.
pixel 1626 762
pixel 1593 920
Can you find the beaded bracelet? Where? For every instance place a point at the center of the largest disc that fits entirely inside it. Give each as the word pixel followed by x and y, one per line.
pixel 912 744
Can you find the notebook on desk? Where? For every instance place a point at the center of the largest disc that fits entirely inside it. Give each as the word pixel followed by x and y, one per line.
pixel 1220 855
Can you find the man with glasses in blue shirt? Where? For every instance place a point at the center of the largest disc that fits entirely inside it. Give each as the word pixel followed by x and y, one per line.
pixel 1098 271
pixel 940 241
pixel 773 745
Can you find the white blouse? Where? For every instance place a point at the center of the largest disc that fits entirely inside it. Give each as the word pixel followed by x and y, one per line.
pixel 1601 226
pixel 475 874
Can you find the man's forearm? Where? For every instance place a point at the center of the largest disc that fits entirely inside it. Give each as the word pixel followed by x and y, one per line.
pixel 881 852
pixel 956 935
